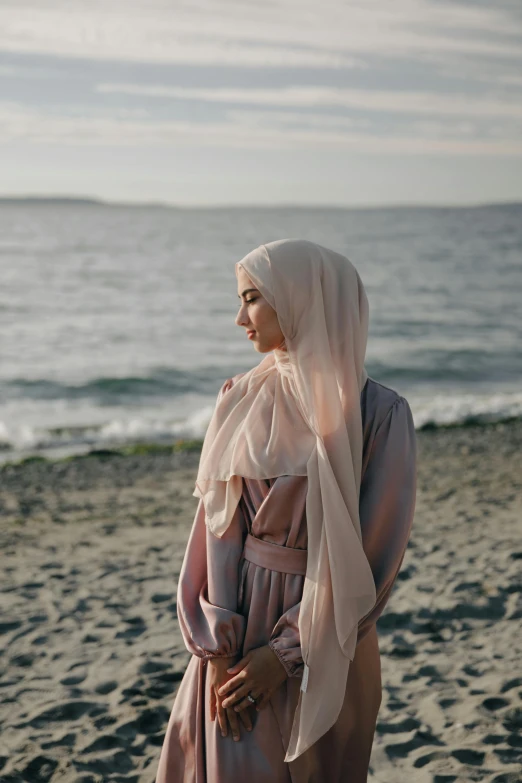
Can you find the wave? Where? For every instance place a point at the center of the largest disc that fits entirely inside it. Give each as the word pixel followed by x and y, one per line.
pixel 436 411
pixel 119 431
pixel 165 383
pixel 162 382
pixel 461 410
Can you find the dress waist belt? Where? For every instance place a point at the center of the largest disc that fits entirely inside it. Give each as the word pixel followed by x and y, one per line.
pixel 274 556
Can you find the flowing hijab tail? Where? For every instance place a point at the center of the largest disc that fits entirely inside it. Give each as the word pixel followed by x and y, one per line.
pixel 298 413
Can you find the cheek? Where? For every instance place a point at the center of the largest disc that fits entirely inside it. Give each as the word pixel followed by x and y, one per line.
pixel 265 317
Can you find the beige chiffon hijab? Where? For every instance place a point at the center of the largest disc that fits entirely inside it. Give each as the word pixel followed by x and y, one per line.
pixel 298 413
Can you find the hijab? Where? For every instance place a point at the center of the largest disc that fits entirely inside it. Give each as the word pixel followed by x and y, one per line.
pixel 298 413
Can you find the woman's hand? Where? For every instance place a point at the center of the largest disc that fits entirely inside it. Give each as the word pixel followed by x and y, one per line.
pixel 217 674
pixel 260 672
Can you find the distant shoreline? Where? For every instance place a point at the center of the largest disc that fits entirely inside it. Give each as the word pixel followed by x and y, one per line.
pixel 98 202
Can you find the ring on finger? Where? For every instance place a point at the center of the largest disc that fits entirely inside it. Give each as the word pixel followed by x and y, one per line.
pixel 246 702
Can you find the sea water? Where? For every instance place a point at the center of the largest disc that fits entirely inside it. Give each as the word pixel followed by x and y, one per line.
pixel 117 323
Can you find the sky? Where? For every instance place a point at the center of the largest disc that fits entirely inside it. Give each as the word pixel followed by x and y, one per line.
pixel 223 102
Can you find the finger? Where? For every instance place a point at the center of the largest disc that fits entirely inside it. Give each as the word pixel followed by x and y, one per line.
pixel 243 704
pixel 234 698
pixel 239 665
pixel 234 723
pixel 263 701
pixel 222 718
pixel 246 719
pixel 233 683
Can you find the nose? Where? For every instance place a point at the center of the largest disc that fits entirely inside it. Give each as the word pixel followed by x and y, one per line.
pixel 241 319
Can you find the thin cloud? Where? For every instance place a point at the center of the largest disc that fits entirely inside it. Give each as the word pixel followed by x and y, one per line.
pixel 238 132
pixel 330 97
pixel 301 34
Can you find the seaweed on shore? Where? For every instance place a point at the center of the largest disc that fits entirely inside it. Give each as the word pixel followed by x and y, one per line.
pixel 136 449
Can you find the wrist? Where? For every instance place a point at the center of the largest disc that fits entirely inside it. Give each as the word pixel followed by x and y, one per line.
pixel 279 658
pixel 228 659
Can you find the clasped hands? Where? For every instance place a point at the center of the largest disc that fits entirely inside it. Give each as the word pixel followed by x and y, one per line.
pixel 259 672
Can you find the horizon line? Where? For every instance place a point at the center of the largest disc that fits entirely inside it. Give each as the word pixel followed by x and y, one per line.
pixel 97 201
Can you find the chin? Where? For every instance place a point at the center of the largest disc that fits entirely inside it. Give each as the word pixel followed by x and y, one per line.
pixel 260 348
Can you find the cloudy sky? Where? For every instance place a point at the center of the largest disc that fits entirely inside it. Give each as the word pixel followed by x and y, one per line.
pixel 196 102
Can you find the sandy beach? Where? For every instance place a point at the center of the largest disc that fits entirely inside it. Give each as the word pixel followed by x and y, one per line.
pixel 92 654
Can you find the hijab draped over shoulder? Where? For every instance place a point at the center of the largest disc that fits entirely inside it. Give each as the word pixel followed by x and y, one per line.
pixel 298 413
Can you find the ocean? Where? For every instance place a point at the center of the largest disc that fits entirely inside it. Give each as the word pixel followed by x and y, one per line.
pixel 117 322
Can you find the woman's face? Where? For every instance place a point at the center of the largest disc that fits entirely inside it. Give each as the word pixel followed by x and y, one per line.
pixel 257 316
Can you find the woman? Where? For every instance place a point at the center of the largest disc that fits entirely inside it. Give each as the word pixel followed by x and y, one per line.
pixel 307 483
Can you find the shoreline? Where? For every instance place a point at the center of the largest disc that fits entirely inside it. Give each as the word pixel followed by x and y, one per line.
pixel 195 444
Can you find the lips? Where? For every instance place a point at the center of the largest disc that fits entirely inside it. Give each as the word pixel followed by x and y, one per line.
pixel 251 331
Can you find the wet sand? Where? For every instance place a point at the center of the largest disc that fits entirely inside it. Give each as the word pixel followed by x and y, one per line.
pixel 92 655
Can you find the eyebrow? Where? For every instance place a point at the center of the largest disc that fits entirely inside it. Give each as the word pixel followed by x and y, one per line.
pixel 246 291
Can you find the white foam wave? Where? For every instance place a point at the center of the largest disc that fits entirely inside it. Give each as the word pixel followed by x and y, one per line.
pixel 441 409
pixel 24 439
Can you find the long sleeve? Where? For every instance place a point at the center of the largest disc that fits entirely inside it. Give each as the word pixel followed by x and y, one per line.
pixel 285 641
pixel 387 503
pixel 208 588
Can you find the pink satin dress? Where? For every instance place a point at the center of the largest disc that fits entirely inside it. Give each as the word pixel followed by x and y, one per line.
pixel 243 590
